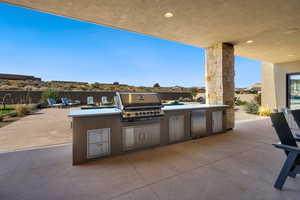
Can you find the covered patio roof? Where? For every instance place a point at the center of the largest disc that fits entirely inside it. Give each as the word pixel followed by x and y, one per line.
pixel 272 28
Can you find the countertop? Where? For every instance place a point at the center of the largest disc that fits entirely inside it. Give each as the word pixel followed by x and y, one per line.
pixel 94 112
pixel 191 107
pixel 114 111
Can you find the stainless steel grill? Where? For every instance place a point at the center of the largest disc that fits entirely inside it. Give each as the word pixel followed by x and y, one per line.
pixel 139 106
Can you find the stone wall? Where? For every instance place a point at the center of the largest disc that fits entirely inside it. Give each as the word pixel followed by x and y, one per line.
pixel 20 97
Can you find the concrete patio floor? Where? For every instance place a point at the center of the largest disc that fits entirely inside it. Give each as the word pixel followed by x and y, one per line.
pixel 241 164
pixel 46 127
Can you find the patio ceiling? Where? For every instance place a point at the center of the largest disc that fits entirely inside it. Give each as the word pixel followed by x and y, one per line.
pixel 272 25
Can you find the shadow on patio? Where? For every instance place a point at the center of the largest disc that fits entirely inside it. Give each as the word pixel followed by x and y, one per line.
pixel 241 164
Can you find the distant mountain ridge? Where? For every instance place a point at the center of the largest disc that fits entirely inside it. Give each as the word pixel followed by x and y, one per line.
pixel 37 85
pixel 24 82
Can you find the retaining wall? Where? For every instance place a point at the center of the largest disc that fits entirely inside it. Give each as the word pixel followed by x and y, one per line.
pixel 20 97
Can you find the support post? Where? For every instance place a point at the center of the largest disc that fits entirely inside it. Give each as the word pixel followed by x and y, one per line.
pixel 219 78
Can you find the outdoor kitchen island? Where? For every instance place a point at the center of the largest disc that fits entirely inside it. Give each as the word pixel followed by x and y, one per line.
pixel 104 132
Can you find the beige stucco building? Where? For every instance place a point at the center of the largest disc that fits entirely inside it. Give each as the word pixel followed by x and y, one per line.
pixel 268 31
pixel 276 85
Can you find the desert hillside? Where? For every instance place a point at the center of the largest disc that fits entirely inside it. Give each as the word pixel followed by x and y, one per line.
pixel 35 85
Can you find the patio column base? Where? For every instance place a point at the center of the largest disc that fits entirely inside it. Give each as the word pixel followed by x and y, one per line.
pixel 219 78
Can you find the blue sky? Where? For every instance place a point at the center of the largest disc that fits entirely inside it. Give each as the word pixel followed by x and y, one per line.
pixel 58 48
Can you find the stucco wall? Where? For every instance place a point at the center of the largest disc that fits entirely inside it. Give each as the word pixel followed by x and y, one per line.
pixel 274 83
pixel 268 99
pixel 246 97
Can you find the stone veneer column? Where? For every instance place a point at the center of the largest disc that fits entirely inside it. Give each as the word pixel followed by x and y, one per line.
pixel 219 78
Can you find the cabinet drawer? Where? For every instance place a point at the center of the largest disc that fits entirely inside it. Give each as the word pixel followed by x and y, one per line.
pixel 97 150
pixel 98 142
pixel 98 135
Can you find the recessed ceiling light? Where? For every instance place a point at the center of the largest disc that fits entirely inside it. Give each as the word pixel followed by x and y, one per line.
pixel 168 15
pixel 249 41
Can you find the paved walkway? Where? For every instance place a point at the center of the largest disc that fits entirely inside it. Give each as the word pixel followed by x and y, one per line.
pixel 44 128
pixel 241 164
pixel 242 116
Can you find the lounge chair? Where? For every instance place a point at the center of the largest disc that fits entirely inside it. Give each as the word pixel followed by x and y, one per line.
pixel 296 115
pixel 291 166
pixel 68 102
pixel 52 103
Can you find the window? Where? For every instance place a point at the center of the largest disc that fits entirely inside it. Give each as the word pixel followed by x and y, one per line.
pixel 293 96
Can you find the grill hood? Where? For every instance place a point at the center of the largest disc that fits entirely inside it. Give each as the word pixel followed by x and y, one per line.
pixel 138 100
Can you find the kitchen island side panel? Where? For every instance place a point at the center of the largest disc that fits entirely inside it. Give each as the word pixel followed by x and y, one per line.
pixel 80 127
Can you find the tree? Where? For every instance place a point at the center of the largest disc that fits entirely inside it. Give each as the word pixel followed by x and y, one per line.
pixel 194 92
pixel 50 93
pixel 115 83
pixel 156 85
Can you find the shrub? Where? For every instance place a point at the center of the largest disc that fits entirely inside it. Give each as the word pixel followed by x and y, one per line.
pixel 32 107
pixel 156 85
pixel 13 114
pixel 239 102
pixel 175 103
pixel 194 92
pixel 1 118
pixel 50 93
pixel 201 99
pixel 252 107
pixel 257 98
pixel 187 99
pixel 23 110
pixel 264 111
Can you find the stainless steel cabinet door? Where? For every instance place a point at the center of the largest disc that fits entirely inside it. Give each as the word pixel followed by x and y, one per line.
pixel 98 142
pixel 128 138
pixel 217 121
pixel 198 123
pixel 141 136
pixel 176 128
